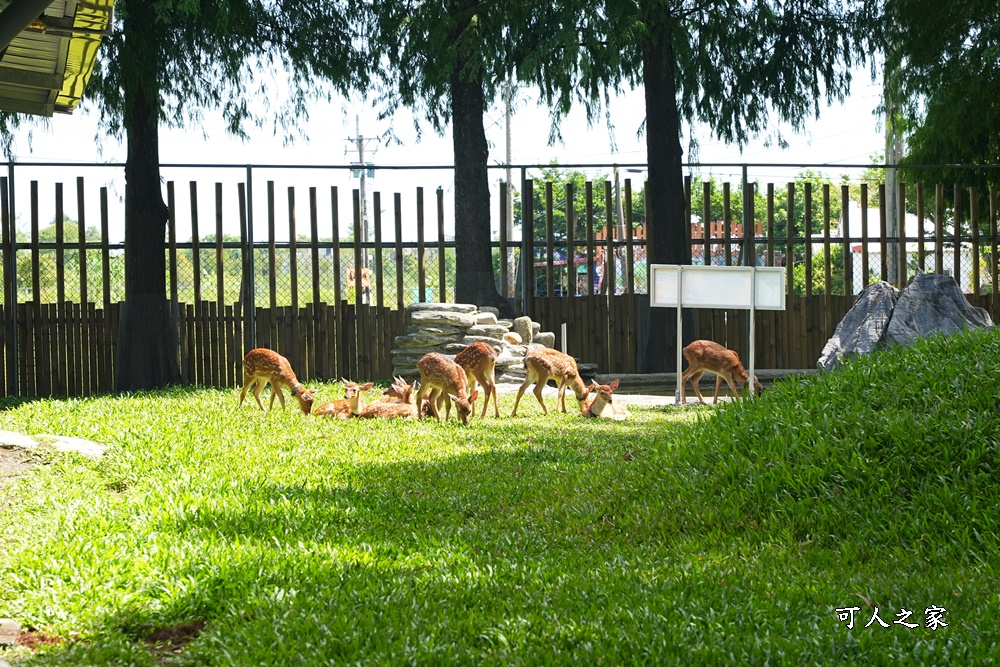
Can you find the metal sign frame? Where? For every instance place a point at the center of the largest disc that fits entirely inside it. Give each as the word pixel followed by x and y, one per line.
pixel 750 287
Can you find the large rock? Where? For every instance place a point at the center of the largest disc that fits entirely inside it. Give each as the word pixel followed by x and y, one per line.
pixel 522 327
pixel 546 338
pixel 442 307
pixel 863 327
pixel 443 318
pixel 423 340
pixel 929 304
pixel 432 330
pixel 488 318
pixel 488 330
pixel 932 303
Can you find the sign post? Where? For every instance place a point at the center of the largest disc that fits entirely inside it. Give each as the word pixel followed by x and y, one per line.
pixel 748 287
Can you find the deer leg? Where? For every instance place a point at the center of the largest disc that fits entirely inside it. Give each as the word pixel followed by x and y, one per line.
pixel 246 385
pixel 275 389
pixel 695 379
pixel 425 390
pixel 736 392
pixel 718 385
pixel 257 388
pixel 685 376
pixel 528 378
pixel 491 390
pixel 543 378
pixel 434 399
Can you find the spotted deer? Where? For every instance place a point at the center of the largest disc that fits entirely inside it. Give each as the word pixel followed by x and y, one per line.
pixel 544 363
pixel 397 401
pixel 603 404
pixel 262 366
pixel 478 360
pixel 349 406
pixel 706 356
pixel 403 392
pixel 400 391
pixel 440 377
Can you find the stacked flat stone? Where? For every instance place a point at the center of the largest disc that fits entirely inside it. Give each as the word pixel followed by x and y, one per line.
pixel 448 328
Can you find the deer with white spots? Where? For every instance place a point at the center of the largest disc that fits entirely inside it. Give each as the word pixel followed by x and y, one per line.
pixel 603 404
pixel 478 360
pixel 262 366
pixel 705 356
pixel 349 406
pixel 440 377
pixel 544 363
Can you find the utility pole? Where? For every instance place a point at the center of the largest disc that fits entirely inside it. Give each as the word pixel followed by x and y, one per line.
pixel 361 143
pixel 894 151
pixel 511 265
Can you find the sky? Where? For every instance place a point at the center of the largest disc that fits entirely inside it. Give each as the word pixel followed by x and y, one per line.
pixel 847 133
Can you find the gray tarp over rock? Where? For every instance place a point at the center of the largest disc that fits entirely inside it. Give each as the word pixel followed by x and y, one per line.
pixel 929 304
pixel 863 327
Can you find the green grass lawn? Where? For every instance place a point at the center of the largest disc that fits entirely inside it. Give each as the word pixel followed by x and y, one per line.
pixel 215 535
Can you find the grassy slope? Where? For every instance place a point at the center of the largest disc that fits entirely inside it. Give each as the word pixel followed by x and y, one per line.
pixel 730 538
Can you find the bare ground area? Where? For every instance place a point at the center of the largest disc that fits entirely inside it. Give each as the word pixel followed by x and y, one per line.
pixel 13 462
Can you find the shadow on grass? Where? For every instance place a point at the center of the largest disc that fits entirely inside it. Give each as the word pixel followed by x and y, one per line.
pixel 548 546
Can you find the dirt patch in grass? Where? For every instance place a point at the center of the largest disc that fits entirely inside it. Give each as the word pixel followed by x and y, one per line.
pixel 34 639
pixel 171 640
pixel 13 463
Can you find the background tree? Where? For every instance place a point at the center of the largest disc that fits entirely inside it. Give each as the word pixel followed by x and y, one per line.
pixel 949 76
pixel 448 61
pixel 167 62
pixel 945 57
pixel 732 65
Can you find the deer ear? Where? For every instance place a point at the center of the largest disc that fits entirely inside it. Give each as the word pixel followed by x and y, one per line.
pixel 474 396
pixel 367 385
pixel 614 385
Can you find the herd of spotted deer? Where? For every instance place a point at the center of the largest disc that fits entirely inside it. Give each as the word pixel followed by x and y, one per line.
pixel 443 382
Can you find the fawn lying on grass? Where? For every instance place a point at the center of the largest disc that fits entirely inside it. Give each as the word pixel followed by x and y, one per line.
pixel 603 404
pixel 705 356
pixel 544 363
pixel 440 377
pixel 350 405
pixel 397 401
pixel 262 366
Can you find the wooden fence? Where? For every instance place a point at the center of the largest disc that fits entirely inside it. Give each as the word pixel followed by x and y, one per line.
pixel 61 296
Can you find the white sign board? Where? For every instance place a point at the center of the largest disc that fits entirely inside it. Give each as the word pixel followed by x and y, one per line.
pixel 751 287
pixel 718 286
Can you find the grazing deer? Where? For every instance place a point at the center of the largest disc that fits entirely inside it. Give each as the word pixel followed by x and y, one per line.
pixel 705 356
pixel 479 362
pixel 441 377
pixel 349 406
pixel 544 363
pixel 602 404
pixel 262 366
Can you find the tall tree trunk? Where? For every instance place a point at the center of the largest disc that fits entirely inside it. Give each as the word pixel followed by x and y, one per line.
pixel 147 354
pixel 666 239
pixel 475 282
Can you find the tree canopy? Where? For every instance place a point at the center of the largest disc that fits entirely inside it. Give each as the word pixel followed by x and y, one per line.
pixel 735 66
pixel 946 56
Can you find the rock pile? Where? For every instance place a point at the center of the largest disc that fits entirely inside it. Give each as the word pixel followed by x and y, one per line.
pixel 449 327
